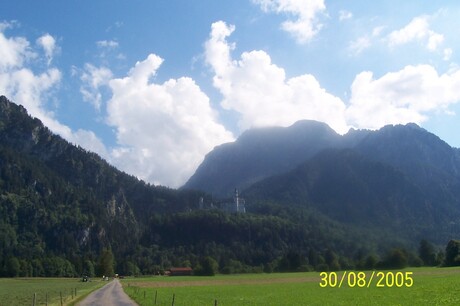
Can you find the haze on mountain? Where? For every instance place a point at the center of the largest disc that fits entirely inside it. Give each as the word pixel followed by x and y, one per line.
pixel 400 176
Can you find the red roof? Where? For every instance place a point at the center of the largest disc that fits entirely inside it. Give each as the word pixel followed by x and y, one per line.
pixel 181 269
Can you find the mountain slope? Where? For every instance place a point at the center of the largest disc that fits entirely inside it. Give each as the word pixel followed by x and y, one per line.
pixel 60 200
pixel 351 187
pixel 427 160
pixel 260 153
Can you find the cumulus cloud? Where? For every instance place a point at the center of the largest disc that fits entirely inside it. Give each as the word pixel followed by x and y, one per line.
pixel 304 26
pixel 93 78
pixel 404 96
pixel 19 82
pixel 31 89
pixel 417 30
pixel 14 51
pixel 163 130
pixel 260 91
pixel 48 43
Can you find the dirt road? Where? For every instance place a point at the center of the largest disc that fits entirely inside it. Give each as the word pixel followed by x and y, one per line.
pixel 111 294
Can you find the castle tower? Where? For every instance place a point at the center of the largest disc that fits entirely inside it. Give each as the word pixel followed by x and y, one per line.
pixel 236 200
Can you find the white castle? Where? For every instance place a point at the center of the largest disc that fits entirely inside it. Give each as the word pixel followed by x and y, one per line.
pixel 238 205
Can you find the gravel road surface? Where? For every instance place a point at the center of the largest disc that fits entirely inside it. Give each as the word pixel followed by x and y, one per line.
pixel 111 294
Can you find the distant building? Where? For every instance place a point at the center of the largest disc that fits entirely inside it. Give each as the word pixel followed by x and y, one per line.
pixel 182 271
pixel 237 206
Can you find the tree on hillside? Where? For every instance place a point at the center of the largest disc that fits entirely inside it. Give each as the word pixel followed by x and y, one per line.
pixel 427 253
pixel 88 268
pixel 207 267
pixel 396 259
pixel 12 267
pixel 452 253
pixel 106 263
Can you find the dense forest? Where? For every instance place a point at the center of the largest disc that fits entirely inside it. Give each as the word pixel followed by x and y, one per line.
pixel 67 212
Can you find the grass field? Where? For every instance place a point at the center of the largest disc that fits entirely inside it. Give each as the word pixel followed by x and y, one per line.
pixel 431 286
pixel 20 291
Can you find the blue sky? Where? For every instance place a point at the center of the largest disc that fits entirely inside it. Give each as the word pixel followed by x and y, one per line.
pixel 152 86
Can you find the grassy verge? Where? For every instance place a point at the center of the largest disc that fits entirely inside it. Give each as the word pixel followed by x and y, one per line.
pixel 20 291
pixel 431 286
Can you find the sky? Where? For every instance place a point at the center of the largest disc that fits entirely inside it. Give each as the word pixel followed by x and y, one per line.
pixel 153 86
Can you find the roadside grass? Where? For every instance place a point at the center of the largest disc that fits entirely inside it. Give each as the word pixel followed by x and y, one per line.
pixel 431 286
pixel 20 291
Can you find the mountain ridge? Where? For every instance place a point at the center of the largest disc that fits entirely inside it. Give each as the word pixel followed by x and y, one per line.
pixel 235 165
pixel 250 149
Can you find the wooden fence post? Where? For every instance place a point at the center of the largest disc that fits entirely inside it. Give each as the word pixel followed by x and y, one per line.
pixel 215 302
pixel 174 297
pixel 60 294
pixel 156 293
pixel 35 299
pixel 46 299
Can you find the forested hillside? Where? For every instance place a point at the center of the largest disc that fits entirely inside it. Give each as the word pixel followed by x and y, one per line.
pixel 61 205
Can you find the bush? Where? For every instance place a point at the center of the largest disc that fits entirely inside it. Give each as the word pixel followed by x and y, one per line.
pixel 207 267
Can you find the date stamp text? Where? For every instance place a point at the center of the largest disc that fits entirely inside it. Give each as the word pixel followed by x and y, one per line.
pixel 367 279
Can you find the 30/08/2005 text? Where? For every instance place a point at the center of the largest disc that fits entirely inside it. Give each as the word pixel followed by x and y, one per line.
pixel 365 280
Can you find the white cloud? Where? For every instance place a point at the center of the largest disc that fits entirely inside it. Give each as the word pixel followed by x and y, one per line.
pixel 417 30
pixel 48 43
pixel 305 25
pixel 107 44
pixel 362 43
pixel 4 26
pixel 359 45
pixel 89 141
pixel 163 130
pixel 260 91
pixel 377 31
pixel 24 86
pixel 344 15
pixel 404 96
pixel 20 83
pixel 447 54
pixel 93 79
pixel 14 51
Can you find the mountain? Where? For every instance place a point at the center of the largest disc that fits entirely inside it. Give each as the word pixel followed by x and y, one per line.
pixel 62 209
pixel 260 153
pixel 315 200
pixel 400 177
pixel 351 188
pixel 427 160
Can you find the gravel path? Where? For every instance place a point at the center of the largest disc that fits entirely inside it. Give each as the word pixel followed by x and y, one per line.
pixel 111 294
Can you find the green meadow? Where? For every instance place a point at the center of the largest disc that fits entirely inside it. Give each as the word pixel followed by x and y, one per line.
pixel 431 286
pixel 20 291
